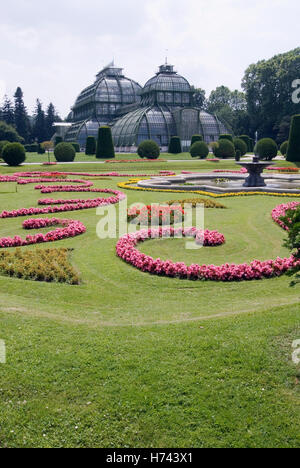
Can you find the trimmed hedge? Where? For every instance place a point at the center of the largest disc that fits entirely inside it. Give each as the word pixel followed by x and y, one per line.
pixel 64 152
pixel 266 149
pixel 32 148
pixel 224 148
pixel 148 149
pixel 91 145
pixel 293 152
pixel 199 149
pixel 14 154
pixel 284 148
pixel 240 146
pixel 76 147
pixel 246 139
pixel 40 149
pixel 226 136
pixel 175 145
pixel 196 138
pixel 2 144
pixel 105 145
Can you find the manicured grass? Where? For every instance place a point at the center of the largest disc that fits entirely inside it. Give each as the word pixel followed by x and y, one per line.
pixel 128 359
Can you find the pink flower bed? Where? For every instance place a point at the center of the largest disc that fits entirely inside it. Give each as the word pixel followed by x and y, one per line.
pixel 126 249
pixel 38 176
pixel 70 228
pixel 241 171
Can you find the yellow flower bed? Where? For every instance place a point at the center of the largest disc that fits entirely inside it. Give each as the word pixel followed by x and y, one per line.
pixel 129 186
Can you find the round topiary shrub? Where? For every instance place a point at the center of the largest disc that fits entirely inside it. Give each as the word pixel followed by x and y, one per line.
pixel 199 150
pixel 226 136
pixel 284 148
pixel 64 152
pixel 2 144
pixel 175 145
pixel 14 154
pixel 148 149
pixel 240 145
pixel 196 138
pixel 266 149
pixel 246 139
pixel 90 147
pixel 224 149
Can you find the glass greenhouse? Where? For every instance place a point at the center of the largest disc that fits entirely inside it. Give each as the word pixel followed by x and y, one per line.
pixel 162 109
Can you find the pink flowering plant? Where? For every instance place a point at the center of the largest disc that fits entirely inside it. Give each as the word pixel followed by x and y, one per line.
pixel 155 215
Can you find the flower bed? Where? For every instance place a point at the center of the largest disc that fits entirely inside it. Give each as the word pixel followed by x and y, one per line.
pixel 120 161
pixel 196 201
pixel 126 250
pixel 155 215
pixel 70 228
pixel 280 211
pixel 284 169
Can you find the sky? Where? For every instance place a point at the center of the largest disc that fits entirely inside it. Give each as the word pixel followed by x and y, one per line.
pixel 53 49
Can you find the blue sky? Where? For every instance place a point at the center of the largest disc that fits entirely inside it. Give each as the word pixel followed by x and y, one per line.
pixel 53 49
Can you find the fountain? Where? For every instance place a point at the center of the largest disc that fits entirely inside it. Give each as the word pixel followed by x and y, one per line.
pixel 255 169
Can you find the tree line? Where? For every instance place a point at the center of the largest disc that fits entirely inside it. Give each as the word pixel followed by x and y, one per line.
pixel 36 128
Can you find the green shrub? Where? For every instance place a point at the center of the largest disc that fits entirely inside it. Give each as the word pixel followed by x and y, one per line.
pixel 293 152
pixel 224 149
pixel 2 144
pixel 58 140
pixel 284 148
pixel 9 133
pixel 14 154
pixel 40 149
pixel 175 145
pixel 105 145
pixel 248 141
pixel 196 138
pixel 148 149
pixel 90 147
pixel 240 145
pixel 64 152
pixel 266 149
pixel 199 149
pixel 238 155
pixel 226 136
pixel 76 147
pixel 32 148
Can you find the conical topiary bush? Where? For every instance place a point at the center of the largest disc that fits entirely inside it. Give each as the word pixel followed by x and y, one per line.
pixel 105 145
pixel 293 152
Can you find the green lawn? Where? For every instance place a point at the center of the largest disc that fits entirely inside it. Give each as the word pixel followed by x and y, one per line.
pixel 132 360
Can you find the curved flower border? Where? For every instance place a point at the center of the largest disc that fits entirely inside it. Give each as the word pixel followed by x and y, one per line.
pixel 126 249
pixel 70 228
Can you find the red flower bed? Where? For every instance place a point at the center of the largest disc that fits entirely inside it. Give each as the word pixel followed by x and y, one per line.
pixel 155 215
pixel 70 228
pixel 126 249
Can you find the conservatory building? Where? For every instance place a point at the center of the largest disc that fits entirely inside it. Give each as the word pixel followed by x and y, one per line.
pixel 162 109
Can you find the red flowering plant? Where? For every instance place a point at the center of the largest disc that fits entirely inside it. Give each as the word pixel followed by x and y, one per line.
pixel 155 215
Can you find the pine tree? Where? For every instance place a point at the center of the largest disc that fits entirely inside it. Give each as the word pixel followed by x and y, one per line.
pixel 8 111
pixel 51 117
pixel 39 127
pixel 21 118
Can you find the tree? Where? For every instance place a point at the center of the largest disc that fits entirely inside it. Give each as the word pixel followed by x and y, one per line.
pixel 21 118
pixel 39 126
pixel 51 117
pixel 293 152
pixel 268 88
pixel 292 221
pixel 7 132
pixel 47 145
pixel 175 145
pixel 8 111
pixel 199 99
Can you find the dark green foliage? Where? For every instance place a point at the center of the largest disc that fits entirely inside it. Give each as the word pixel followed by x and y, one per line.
pixel 196 138
pixel 39 126
pixel 248 142
pixel 64 152
pixel 22 123
pixel 293 152
pixel 292 221
pixel 266 149
pixel 76 147
pixel 238 155
pixel 7 132
pixel 105 145
pixel 284 148
pixel 33 148
pixel 240 145
pixel 226 137
pixel 14 154
pixel 175 145
pixel 224 149
pixel 90 147
pixel 51 117
pixel 40 149
pixel 148 149
pixel 199 149
pixel 2 144
pixel 58 140
pixel 8 114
